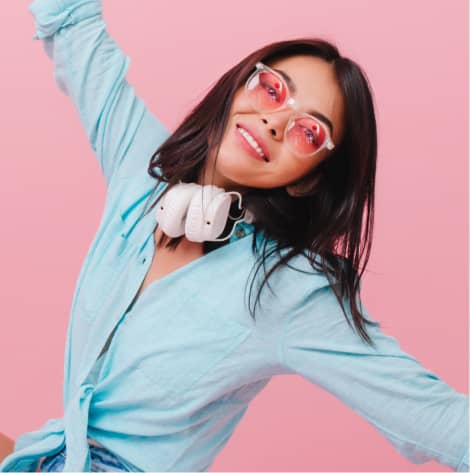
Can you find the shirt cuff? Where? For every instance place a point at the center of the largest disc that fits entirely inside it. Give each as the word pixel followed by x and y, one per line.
pixel 51 15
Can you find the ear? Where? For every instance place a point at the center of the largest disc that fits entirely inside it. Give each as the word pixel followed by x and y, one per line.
pixel 305 186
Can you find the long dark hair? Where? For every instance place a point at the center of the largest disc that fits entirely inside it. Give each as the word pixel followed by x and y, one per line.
pixel 333 220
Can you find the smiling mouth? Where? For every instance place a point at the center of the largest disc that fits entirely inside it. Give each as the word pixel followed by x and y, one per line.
pixel 252 142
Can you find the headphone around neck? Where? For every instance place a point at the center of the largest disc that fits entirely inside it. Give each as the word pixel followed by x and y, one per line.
pixel 199 212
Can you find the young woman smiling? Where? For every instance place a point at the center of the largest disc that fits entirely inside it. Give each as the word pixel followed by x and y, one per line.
pixel 273 169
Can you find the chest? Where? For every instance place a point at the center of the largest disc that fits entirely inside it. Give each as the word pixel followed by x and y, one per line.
pixel 192 315
pixel 166 260
pixel 185 331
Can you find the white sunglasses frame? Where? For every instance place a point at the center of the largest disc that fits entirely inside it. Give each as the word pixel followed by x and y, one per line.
pixel 292 103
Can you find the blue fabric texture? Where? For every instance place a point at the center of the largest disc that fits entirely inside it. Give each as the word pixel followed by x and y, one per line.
pixel 101 460
pixel 186 359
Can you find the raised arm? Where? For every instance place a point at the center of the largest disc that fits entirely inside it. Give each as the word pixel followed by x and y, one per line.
pixel 90 68
pixel 422 416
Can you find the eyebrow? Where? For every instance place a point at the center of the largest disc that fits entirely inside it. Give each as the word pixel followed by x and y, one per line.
pixel 293 87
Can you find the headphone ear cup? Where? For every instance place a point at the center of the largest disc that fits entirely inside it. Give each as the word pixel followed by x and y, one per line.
pixel 172 208
pixel 208 222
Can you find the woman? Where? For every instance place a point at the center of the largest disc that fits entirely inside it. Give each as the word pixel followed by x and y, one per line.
pixel 164 353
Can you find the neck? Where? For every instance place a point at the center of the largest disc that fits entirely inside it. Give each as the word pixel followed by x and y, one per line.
pixel 205 178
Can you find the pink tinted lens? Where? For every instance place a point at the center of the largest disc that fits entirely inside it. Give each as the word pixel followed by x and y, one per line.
pixel 306 135
pixel 266 91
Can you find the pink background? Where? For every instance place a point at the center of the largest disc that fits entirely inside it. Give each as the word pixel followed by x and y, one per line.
pixel 415 54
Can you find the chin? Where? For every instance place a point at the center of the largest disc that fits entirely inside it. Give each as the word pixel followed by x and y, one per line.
pixel 227 173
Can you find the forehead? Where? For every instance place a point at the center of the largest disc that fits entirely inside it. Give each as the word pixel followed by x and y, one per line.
pixel 316 87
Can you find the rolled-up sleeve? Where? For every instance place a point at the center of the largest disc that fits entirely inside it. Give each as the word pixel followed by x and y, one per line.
pixel 423 417
pixel 90 67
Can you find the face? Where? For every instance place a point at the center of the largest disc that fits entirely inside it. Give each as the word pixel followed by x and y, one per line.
pixel 237 168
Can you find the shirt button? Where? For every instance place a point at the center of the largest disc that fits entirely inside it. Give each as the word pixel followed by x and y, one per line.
pixel 144 259
pixel 240 233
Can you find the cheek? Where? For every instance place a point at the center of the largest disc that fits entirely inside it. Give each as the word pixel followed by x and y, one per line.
pixel 292 168
pixel 239 102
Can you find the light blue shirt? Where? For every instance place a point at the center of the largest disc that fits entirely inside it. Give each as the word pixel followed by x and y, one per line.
pixel 185 361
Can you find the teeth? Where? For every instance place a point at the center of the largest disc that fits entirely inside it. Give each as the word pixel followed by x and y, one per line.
pixel 252 141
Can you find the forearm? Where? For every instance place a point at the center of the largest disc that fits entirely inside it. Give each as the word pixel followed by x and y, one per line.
pixel 90 67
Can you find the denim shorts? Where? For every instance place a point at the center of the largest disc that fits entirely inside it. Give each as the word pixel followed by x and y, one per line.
pixel 101 460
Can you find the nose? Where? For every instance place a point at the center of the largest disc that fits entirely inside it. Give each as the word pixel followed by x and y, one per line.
pixel 276 122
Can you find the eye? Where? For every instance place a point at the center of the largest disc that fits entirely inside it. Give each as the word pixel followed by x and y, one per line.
pixel 273 86
pixel 272 92
pixel 312 136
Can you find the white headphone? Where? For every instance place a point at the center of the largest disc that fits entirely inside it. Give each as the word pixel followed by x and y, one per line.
pixel 181 212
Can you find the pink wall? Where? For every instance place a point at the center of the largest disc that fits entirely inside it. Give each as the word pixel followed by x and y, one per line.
pixel 415 54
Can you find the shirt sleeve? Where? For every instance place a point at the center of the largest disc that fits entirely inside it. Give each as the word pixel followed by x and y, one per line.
pixel 90 67
pixel 421 416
